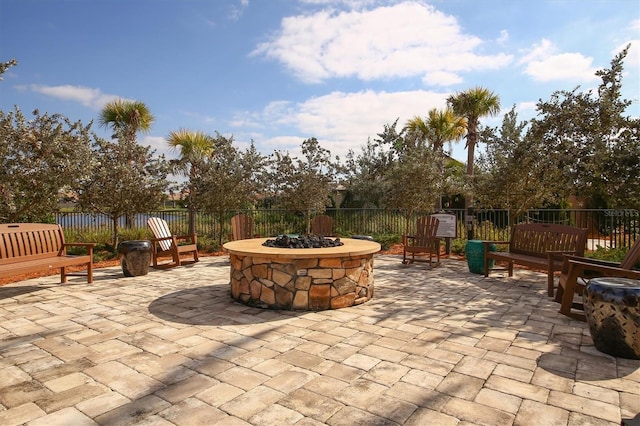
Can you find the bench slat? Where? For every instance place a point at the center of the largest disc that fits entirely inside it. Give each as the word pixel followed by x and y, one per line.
pixel 42 264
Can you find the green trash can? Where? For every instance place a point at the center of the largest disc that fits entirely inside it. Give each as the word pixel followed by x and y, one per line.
pixel 474 252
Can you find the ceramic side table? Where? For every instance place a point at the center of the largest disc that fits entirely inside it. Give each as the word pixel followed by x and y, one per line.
pixel 612 308
pixel 135 257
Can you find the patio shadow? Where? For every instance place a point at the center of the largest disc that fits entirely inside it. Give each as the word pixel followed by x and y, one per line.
pixel 9 292
pixel 212 305
pixel 588 365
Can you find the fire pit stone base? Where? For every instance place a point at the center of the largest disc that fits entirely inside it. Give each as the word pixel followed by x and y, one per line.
pixel 313 284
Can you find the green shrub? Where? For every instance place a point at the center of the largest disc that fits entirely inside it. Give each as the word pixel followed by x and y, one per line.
pixel 458 246
pixel 387 240
pixel 610 254
pixel 208 244
pixel 127 234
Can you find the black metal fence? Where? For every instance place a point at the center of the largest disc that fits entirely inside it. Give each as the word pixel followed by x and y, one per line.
pixel 606 228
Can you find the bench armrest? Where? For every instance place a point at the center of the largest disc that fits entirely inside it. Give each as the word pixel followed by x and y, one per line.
pixel 486 244
pixel 559 254
pixel 89 247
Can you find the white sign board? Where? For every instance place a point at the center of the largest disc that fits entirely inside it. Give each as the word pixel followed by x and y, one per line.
pixel 447 225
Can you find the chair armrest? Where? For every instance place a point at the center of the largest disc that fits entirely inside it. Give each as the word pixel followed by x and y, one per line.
pixel 155 240
pixel 585 260
pixel 611 271
pixel 589 260
pixel 190 237
pixel 405 239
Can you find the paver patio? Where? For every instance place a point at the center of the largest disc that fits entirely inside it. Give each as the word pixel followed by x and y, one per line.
pixel 433 347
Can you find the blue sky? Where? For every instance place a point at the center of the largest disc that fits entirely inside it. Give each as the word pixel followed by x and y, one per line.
pixel 280 71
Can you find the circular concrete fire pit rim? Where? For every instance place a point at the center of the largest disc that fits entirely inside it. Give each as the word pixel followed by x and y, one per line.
pixel 253 247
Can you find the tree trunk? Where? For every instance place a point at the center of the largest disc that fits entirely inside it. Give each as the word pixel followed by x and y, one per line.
pixel 192 221
pixel 468 199
pixel 220 228
pixel 407 221
pixel 114 238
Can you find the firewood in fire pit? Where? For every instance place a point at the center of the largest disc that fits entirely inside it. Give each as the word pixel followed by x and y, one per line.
pixel 304 241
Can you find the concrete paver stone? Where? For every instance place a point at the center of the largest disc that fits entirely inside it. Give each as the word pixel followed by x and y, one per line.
pixel 435 346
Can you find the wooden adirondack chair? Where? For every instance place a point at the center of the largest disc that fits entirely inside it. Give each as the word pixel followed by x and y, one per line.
pixel 322 225
pixel 167 245
pixel 577 271
pixel 424 243
pixel 242 227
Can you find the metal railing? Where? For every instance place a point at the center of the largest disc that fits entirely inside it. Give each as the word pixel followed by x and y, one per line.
pixel 606 228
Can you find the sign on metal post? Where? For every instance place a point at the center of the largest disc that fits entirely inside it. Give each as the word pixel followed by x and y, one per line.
pixel 447 228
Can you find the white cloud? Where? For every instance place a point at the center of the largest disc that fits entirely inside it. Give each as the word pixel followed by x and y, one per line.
pixel 342 121
pixel 238 10
pixel 504 37
pixel 441 78
pixel 526 106
pixel 92 98
pixel 539 51
pixel 402 40
pixel 543 64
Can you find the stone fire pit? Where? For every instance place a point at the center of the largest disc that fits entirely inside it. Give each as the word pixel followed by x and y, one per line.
pixel 313 279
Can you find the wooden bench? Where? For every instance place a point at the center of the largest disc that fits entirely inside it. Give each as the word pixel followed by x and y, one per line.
pixel 35 247
pixel 538 245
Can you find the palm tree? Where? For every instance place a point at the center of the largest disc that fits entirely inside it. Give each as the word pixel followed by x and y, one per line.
pixel 473 104
pixel 127 117
pixel 194 147
pixel 441 126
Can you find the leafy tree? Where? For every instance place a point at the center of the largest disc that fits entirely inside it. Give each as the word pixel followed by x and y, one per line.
pixel 227 179
pixel 473 104
pixel 513 175
pixel 623 170
pixel 594 142
pixel 4 66
pixel 413 181
pixel 126 118
pixel 126 179
pixel 303 184
pixel 440 127
pixel 41 158
pixel 194 147
pixel 365 172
